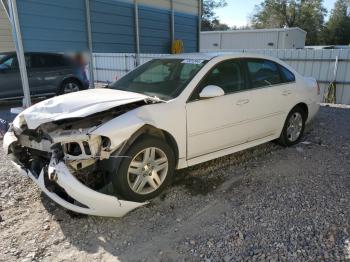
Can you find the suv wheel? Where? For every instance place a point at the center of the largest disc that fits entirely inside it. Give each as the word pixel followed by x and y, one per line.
pixel 70 86
pixel 146 171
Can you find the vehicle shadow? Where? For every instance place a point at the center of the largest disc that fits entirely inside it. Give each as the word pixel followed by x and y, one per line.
pixel 118 236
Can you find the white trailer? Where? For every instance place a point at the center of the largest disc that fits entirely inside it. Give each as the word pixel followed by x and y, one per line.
pixel 280 38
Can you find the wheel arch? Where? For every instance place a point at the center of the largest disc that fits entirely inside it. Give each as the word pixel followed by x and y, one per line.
pixel 304 107
pixel 301 105
pixel 149 130
pixel 282 139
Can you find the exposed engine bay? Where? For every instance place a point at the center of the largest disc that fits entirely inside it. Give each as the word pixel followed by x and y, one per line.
pixel 72 145
pixel 70 141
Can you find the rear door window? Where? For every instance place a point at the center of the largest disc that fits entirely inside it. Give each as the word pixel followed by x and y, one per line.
pixel 263 73
pixel 47 61
pixel 55 61
pixel 38 61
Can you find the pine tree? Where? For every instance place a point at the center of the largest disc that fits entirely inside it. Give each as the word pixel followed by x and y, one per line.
pixel 209 19
pixel 338 26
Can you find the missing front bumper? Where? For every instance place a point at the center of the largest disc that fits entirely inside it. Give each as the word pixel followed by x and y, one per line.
pixel 92 202
pixel 97 204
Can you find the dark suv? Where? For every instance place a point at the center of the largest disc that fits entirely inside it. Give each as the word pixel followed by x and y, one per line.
pixel 48 74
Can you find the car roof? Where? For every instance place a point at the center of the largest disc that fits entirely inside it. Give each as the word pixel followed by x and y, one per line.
pixel 212 55
pixel 221 56
pixel 7 53
pixel 30 53
pixel 194 56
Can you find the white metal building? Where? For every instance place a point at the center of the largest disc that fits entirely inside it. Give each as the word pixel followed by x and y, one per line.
pixel 280 38
pixel 6 43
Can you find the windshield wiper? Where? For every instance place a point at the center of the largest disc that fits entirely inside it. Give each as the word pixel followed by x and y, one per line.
pixel 156 99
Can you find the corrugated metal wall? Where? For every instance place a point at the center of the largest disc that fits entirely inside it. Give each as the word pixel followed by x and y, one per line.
pixel 185 29
pixel 113 26
pixel 60 26
pixel 155 30
pixel 56 26
pixel 316 63
pixel 6 43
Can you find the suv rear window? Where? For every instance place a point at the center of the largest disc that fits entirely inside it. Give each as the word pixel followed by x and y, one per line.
pixel 44 61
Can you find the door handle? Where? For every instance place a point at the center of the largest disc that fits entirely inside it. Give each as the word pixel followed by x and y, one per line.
pixel 286 92
pixel 242 102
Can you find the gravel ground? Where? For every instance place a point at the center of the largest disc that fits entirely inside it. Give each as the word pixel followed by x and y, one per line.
pixel 266 203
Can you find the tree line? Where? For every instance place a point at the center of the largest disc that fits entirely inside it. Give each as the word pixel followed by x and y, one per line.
pixel 309 15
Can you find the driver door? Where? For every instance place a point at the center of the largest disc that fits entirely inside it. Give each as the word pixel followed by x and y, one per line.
pixel 217 123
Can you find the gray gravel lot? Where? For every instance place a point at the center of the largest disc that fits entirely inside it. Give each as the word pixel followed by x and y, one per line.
pixel 266 203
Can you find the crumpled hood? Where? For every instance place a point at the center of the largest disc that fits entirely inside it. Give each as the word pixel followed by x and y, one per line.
pixel 79 104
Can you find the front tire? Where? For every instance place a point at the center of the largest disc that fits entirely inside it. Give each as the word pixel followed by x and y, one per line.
pixel 146 171
pixel 294 127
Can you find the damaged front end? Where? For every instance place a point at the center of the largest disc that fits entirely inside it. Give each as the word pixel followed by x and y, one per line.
pixel 70 163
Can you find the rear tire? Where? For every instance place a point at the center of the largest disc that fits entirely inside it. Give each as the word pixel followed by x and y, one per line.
pixel 146 171
pixel 294 127
pixel 69 86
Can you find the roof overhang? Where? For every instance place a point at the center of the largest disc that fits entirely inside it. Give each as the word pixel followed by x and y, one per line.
pixel 256 30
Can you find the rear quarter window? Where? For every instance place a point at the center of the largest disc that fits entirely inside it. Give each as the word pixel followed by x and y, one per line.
pixel 287 75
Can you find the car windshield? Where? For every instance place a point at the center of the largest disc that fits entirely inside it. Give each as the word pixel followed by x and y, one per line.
pixel 162 78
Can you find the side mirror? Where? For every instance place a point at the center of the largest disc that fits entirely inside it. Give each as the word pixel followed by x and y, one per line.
pixel 211 91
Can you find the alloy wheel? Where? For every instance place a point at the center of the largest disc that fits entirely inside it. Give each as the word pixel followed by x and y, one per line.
pixel 295 127
pixel 147 170
pixel 70 88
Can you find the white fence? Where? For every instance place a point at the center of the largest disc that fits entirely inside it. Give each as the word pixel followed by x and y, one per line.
pixel 320 64
pixel 109 67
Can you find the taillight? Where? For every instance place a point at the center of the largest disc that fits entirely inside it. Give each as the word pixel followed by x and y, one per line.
pixel 318 88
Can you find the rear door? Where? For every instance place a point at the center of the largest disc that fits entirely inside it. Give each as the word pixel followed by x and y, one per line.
pixel 47 72
pixel 271 96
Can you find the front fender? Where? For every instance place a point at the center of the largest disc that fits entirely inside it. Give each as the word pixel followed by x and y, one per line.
pixel 120 129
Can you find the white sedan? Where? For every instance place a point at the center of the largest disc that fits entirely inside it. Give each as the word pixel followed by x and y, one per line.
pixel 167 114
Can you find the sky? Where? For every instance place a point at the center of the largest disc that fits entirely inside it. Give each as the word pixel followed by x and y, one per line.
pixel 236 13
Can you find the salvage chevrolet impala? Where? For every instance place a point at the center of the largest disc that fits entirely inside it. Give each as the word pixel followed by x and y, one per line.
pixel 168 114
